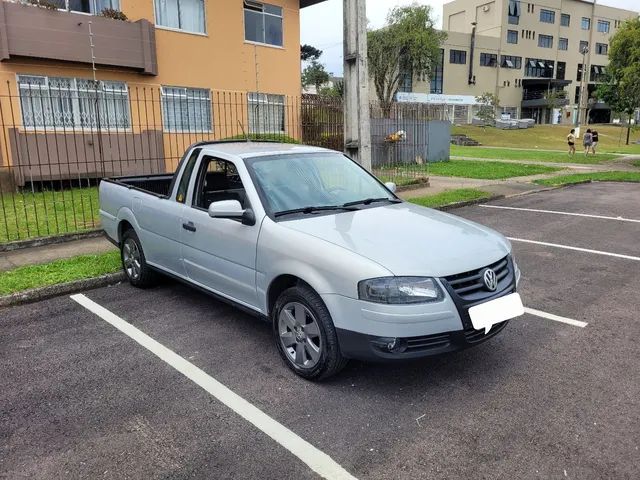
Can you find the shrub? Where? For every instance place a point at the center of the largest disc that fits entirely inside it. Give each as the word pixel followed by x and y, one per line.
pixel 273 137
pixel 114 14
pixel 48 4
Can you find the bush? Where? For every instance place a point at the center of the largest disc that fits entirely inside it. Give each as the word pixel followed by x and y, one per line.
pixel 114 14
pixel 270 137
pixel 49 5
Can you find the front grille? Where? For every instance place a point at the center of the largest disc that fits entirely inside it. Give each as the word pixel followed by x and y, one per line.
pixel 474 336
pixel 468 284
pixel 428 342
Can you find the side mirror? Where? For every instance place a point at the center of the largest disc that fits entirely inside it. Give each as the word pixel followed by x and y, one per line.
pixel 232 209
pixel 391 187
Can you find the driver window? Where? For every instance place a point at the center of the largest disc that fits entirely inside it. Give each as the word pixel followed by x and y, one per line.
pixel 218 180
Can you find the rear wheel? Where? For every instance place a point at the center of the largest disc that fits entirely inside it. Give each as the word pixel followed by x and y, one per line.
pixel 135 266
pixel 305 334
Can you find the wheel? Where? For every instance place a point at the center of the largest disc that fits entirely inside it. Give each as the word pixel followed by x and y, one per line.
pixel 134 264
pixel 305 335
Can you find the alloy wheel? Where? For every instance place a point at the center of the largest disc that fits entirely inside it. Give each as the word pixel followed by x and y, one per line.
pixel 131 258
pixel 299 334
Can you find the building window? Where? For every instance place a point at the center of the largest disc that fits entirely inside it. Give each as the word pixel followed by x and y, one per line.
pixel 547 16
pixel 579 73
pixel 512 36
pixel 94 7
pixel 186 109
pixel 538 68
pixel 263 23
pixel 437 78
pixel 602 49
pixel 603 26
pixel 405 84
pixel 561 70
pixel 513 12
pixel 586 23
pixel 488 59
pixel 563 43
pixel 598 73
pixel 510 61
pixel 545 41
pixel 565 19
pixel 266 113
pixel 458 56
pixel 187 15
pixel 57 102
pixel 584 45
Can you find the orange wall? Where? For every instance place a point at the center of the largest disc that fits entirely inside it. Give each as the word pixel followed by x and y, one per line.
pixel 219 59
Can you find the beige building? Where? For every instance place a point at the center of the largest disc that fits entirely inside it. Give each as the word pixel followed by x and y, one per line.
pixel 522 51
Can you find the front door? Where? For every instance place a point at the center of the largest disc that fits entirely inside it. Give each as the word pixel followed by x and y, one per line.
pixel 219 254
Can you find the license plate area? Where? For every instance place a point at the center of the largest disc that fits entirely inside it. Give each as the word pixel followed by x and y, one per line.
pixel 487 314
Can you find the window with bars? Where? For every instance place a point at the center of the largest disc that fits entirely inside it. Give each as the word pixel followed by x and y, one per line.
pixel 545 41
pixel 565 19
pixel 604 26
pixel 563 43
pixel 406 81
pixel 263 23
pixel 94 7
pixel 547 16
pixel 437 77
pixel 187 15
pixel 266 113
pixel 186 109
pixel 56 102
pixel 458 56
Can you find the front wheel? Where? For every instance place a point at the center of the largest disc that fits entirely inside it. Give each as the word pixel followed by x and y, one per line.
pixel 305 335
pixel 135 266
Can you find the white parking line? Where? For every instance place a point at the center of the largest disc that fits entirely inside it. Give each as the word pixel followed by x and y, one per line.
pixel 556 212
pixel 577 249
pixel 557 318
pixel 317 460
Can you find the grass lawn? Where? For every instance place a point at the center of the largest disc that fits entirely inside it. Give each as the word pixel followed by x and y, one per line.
pixel 529 155
pixel 636 163
pixel 598 176
pixel 612 138
pixel 60 271
pixel 30 215
pixel 487 170
pixel 450 196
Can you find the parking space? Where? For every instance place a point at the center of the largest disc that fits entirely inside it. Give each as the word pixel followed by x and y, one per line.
pixel 541 400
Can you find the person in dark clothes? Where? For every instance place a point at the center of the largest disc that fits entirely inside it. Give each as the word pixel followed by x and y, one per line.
pixel 587 141
pixel 594 141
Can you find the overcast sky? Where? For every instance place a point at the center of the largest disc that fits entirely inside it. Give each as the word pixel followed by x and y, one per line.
pixel 321 25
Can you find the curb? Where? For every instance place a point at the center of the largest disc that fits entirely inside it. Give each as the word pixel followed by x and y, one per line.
pixel 44 293
pixel 52 240
pixel 467 203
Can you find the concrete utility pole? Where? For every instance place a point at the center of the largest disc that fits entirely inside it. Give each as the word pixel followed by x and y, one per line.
pixel 357 122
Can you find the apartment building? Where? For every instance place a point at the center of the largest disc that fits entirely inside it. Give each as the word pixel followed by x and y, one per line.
pixel 199 68
pixel 523 52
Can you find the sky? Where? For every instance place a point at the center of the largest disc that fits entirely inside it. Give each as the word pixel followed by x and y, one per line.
pixel 321 25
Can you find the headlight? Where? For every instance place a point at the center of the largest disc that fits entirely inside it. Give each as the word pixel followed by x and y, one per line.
pixel 399 290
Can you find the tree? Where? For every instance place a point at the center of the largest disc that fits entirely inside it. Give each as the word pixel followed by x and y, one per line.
pixel 307 52
pixel 408 43
pixel 489 103
pixel 622 88
pixel 336 90
pixel 314 74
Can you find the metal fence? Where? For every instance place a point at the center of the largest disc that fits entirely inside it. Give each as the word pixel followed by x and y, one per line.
pixel 59 137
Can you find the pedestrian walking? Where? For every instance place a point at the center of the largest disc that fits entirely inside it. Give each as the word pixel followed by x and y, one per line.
pixel 587 141
pixel 571 141
pixel 594 141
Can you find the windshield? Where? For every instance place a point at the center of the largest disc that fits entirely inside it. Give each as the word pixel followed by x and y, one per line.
pixel 310 181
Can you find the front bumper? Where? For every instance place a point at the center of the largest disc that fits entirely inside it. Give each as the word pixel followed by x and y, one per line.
pixel 371 331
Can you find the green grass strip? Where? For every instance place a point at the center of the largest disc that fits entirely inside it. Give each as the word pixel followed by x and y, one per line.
pixel 532 155
pixel 59 271
pixel 636 163
pixel 450 196
pixel 487 170
pixel 598 176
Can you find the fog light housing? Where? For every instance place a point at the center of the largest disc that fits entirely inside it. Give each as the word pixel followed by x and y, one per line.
pixel 391 345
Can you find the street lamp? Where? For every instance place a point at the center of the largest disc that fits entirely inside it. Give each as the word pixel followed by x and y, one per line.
pixel 582 108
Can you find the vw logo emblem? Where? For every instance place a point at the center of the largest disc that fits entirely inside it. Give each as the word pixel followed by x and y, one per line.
pixel 490 280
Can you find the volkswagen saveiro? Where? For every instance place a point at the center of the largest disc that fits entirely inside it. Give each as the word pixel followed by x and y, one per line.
pixel 306 238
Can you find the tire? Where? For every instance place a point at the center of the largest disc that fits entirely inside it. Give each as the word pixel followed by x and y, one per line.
pixel 134 264
pixel 311 351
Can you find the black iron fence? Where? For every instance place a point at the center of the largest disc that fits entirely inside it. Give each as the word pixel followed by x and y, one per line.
pixel 59 137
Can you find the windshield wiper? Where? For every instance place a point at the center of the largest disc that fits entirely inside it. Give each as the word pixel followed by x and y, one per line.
pixel 369 201
pixel 308 210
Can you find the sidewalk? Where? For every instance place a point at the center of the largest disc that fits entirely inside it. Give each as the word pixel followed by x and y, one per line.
pixel 48 253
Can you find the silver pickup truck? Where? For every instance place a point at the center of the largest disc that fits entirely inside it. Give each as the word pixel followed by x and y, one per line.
pixel 307 239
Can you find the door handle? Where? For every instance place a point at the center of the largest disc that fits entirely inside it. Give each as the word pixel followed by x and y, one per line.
pixel 189 226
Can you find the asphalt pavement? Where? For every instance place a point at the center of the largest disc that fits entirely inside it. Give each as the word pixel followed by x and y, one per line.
pixel 544 399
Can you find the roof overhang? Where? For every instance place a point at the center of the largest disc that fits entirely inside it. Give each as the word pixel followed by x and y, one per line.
pixel 308 3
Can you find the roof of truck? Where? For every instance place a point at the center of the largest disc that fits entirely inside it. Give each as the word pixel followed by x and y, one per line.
pixel 259 149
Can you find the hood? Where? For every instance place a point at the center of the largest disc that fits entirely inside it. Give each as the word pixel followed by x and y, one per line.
pixel 408 239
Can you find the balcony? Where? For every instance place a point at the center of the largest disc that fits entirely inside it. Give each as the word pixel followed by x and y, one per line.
pixel 35 32
pixel 538 98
